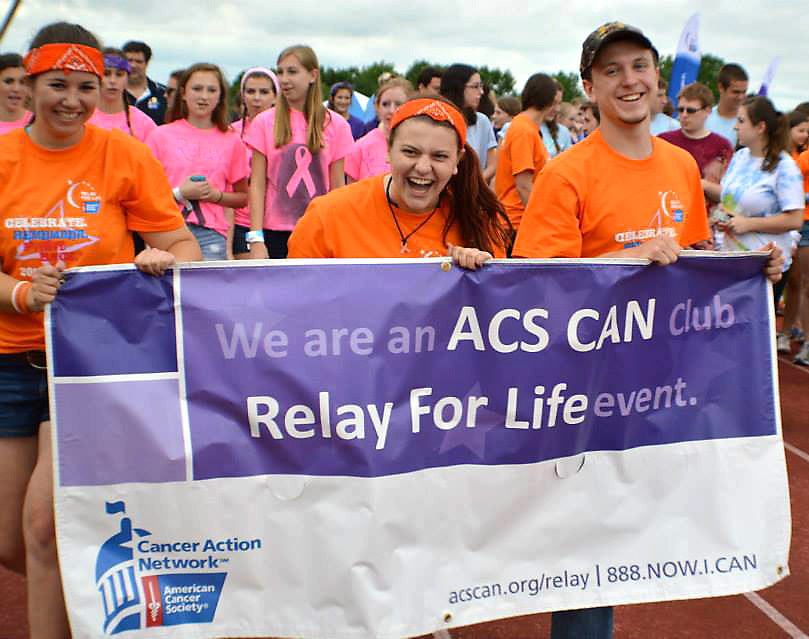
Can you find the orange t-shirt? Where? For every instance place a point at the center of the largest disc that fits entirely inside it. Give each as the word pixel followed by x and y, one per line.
pixel 522 150
pixel 78 205
pixel 591 200
pixel 355 221
pixel 803 164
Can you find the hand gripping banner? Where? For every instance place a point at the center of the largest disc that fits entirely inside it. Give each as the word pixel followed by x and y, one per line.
pixel 352 449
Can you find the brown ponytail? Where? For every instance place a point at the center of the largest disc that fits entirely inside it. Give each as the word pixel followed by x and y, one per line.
pixel 776 132
pixel 474 207
pixel 244 118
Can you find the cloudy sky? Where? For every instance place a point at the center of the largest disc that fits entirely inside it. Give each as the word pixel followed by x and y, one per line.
pixel 546 37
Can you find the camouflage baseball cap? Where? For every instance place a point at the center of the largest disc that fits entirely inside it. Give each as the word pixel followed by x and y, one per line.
pixel 606 33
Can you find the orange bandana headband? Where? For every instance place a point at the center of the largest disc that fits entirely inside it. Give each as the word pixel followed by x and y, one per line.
pixel 435 109
pixel 64 57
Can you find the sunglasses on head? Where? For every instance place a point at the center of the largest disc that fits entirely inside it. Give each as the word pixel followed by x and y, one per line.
pixel 690 110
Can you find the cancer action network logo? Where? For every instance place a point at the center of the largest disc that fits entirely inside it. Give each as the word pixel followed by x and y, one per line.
pixel 133 600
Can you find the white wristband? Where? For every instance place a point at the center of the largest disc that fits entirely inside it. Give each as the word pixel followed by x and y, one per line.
pixel 178 196
pixel 254 236
pixel 14 297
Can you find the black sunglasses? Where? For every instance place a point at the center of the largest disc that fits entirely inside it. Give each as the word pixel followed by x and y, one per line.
pixel 690 110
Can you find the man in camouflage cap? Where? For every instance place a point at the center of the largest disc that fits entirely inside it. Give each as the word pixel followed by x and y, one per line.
pixel 620 192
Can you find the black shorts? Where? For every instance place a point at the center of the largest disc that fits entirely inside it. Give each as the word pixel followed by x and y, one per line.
pixel 276 242
pixel 240 239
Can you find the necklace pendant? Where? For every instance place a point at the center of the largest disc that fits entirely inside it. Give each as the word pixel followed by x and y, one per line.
pixel 405 248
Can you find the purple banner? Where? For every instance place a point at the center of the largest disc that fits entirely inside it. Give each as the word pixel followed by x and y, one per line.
pixel 119 323
pixel 372 370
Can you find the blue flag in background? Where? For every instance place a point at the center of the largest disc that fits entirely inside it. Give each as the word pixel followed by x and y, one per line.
pixel 686 62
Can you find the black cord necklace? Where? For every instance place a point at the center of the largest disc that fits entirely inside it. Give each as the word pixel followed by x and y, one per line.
pixel 402 236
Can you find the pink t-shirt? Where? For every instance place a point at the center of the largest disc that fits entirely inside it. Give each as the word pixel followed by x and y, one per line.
pixel 184 150
pixel 5 127
pixel 142 124
pixel 294 177
pixel 369 156
pixel 242 216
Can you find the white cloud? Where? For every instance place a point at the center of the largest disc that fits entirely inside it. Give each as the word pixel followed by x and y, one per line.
pixel 543 37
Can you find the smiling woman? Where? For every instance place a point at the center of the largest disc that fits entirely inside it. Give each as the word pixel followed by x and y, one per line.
pixel 434 202
pixel 58 169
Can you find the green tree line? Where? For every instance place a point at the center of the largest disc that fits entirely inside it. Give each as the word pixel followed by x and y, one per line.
pixel 365 79
pixel 502 82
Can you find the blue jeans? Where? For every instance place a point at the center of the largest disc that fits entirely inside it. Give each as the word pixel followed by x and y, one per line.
pixel 588 623
pixel 211 243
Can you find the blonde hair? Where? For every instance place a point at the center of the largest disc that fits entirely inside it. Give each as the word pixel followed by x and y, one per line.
pixel 396 81
pixel 566 109
pixel 313 109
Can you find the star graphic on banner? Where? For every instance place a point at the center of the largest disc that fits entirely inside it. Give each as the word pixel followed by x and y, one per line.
pixel 473 438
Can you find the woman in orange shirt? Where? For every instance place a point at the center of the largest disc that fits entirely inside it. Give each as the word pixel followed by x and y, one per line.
pixel 434 201
pixel 70 195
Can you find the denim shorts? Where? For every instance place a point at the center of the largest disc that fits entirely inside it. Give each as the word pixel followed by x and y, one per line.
pixel 23 396
pixel 212 244
pixel 804 241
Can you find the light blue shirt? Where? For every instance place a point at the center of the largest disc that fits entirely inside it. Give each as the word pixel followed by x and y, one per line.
pixel 562 136
pixel 723 126
pixel 749 190
pixel 480 136
pixel 501 134
pixel 661 123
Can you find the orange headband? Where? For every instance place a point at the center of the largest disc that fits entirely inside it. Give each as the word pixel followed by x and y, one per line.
pixel 435 109
pixel 65 57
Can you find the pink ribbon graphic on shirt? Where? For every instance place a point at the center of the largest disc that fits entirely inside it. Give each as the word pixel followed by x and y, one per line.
pixel 302 161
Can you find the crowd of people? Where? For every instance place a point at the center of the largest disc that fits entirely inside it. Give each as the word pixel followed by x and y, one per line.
pixel 100 164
